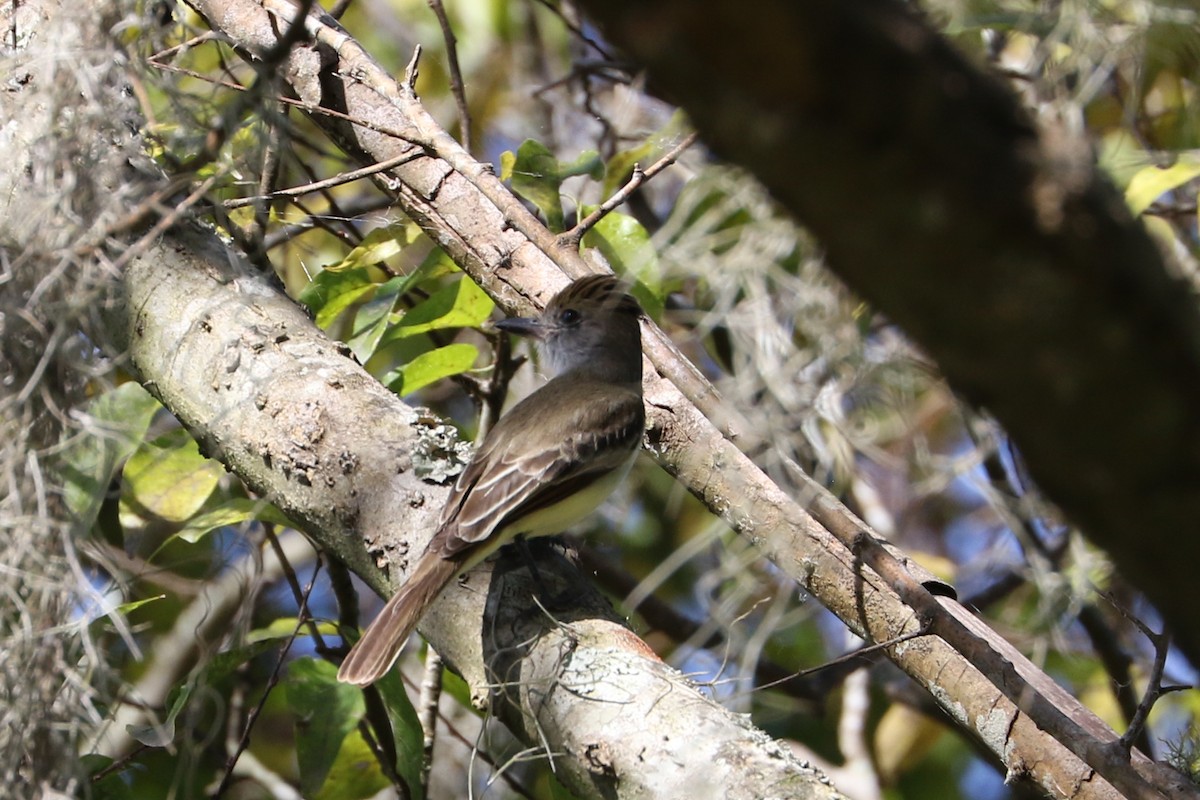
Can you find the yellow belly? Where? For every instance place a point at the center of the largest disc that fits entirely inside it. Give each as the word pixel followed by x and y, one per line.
pixel 556 518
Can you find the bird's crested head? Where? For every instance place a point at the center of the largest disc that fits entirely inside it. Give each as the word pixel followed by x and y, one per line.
pixel 590 327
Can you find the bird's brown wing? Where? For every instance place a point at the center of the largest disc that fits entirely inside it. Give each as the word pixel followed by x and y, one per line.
pixel 507 479
pixel 511 477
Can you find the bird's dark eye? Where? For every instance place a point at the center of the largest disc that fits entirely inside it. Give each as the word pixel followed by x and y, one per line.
pixel 569 316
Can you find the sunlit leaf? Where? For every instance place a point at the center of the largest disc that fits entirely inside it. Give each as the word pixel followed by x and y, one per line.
pixel 508 161
pixel 433 366
pixel 902 738
pixel 377 246
pixel 460 305
pixel 587 163
pixel 354 773
pixel 232 512
pixel 169 477
pixel 620 166
pixel 126 608
pixel 286 628
pixel 535 175
pixel 331 293
pixel 1151 183
pixel 375 316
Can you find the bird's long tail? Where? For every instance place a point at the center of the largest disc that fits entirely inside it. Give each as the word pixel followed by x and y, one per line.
pixel 383 639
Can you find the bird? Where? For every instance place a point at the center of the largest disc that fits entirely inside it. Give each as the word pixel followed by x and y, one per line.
pixel 546 464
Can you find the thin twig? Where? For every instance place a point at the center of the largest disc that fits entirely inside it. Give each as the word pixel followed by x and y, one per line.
pixel 352 210
pixel 268 178
pixel 271 683
pixel 303 105
pixel 411 72
pixel 606 70
pixel 679 627
pixel 576 29
pixel 293 581
pixel 167 220
pixel 494 390
pixel 1117 663
pixel 861 653
pixel 427 710
pixel 457 87
pixel 1154 688
pixel 570 239
pixel 336 180
pixel 476 751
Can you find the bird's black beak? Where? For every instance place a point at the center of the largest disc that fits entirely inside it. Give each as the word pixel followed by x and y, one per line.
pixel 523 326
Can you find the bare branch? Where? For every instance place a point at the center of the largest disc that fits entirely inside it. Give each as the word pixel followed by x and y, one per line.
pixel 571 238
pixel 457 87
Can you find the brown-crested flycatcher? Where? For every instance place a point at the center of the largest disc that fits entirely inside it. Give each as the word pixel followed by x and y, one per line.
pixel 546 464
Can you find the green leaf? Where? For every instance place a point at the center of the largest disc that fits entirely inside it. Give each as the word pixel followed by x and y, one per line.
pixel 406 727
pixel 620 166
pixel 354 773
pixel 332 292
pixel 587 163
pixel 432 366
pixel 125 608
pixel 460 305
pixel 1151 183
pixel 169 477
pixel 372 318
pixel 508 162
pixel 626 245
pixel 456 688
pixel 285 628
pixel 326 715
pixel 1121 156
pixel 536 176
pixel 118 421
pixel 375 316
pixel 227 662
pixel 163 734
pixel 377 246
pixel 232 512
